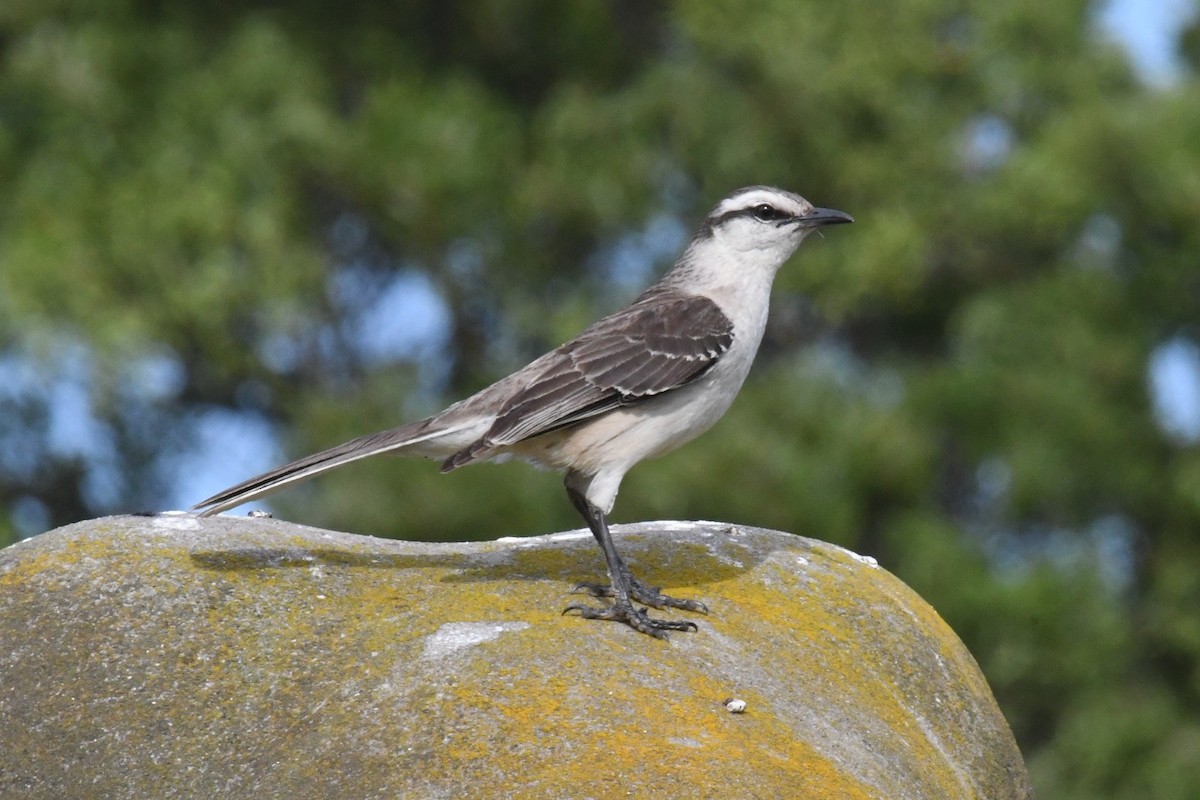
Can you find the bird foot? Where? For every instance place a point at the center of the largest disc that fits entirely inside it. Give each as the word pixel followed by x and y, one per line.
pixel 643 593
pixel 634 617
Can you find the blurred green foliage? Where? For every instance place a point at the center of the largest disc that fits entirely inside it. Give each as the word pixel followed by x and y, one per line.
pixel 957 384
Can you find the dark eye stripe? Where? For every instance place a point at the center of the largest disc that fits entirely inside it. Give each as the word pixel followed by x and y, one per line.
pixel 764 212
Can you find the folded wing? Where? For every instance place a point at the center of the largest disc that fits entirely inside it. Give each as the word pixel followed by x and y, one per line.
pixel 663 341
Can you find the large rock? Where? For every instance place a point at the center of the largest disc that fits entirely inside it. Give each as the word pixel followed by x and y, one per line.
pixel 174 657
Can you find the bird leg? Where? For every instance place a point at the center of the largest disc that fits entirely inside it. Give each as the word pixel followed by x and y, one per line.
pixel 625 588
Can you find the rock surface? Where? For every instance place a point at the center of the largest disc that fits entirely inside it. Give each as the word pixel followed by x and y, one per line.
pixel 171 657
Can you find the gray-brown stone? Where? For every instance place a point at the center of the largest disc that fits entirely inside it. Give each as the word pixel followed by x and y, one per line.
pixel 173 657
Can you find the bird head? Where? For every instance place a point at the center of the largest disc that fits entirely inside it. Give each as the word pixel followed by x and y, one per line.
pixel 769 220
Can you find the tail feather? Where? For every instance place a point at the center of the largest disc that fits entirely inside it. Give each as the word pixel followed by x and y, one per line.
pixel 309 466
pixel 466 455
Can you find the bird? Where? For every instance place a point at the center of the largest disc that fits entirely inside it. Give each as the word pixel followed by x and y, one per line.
pixel 635 385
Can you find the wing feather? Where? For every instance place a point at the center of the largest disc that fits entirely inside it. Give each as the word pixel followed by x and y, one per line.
pixel 663 341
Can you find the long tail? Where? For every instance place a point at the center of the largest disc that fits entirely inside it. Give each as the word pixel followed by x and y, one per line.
pixel 305 468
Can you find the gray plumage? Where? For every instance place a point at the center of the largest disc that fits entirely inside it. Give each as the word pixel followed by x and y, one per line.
pixel 636 384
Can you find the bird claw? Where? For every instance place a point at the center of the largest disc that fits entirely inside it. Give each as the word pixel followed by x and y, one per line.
pixel 643 593
pixel 636 618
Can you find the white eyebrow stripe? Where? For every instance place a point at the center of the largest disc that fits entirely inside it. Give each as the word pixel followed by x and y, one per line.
pixel 754 197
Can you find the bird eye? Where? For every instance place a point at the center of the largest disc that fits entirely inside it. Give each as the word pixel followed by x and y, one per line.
pixel 766 213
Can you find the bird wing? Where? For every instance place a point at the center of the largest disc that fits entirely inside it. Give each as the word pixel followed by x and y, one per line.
pixel 663 341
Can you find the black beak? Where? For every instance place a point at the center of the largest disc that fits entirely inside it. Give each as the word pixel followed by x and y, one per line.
pixel 823 216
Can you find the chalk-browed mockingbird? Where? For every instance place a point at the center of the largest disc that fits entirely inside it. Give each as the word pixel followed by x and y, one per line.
pixel 637 384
